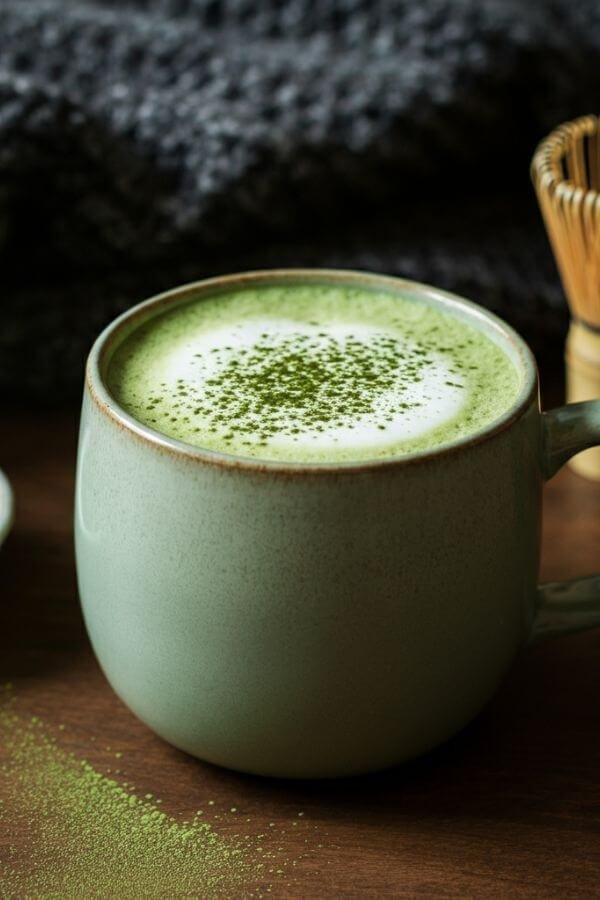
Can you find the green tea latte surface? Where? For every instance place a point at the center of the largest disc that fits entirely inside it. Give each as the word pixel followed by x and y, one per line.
pixel 311 373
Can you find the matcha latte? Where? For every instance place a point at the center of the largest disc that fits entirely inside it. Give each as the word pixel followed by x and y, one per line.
pixel 312 373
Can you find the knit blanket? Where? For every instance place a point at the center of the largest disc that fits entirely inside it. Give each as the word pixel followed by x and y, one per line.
pixel 146 143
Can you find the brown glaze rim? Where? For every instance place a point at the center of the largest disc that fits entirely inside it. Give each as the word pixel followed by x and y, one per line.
pixel 132 318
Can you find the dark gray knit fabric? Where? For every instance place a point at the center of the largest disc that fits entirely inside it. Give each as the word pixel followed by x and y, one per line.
pixel 147 143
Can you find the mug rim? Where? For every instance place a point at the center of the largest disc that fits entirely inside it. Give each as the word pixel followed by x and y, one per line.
pixel 135 315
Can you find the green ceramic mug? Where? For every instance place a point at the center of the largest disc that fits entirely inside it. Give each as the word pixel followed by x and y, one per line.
pixel 318 620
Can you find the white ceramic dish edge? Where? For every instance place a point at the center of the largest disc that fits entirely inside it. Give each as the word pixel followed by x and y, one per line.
pixel 6 506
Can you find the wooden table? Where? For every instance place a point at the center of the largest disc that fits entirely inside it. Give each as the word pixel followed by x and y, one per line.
pixel 511 807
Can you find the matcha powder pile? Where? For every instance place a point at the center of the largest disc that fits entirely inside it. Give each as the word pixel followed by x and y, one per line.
pixel 91 837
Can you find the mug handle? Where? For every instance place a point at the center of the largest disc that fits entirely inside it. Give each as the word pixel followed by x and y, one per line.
pixel 563 607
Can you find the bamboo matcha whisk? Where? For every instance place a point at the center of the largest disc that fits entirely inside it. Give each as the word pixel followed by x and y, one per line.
pixel 566 175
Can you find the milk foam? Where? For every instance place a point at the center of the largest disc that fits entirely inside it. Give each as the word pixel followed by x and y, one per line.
pixel 439 398
pixel 312 373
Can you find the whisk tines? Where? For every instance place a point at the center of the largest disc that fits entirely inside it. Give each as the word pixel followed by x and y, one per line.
pixel 566 174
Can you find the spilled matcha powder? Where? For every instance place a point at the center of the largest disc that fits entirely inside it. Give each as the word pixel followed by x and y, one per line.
pixel 91 837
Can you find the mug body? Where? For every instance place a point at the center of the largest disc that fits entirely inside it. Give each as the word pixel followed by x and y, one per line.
pixel 306 621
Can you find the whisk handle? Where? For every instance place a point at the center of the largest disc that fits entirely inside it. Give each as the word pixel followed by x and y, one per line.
pixel 582 358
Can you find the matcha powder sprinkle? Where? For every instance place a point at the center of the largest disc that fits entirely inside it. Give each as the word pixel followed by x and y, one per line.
pixel 91 837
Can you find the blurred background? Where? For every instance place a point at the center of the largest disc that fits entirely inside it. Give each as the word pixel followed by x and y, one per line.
pixel 144 143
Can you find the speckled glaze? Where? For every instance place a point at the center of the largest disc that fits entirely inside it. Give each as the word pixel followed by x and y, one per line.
pixel 316 620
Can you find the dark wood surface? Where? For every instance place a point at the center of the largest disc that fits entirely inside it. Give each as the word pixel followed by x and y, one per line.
pixel 511 807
